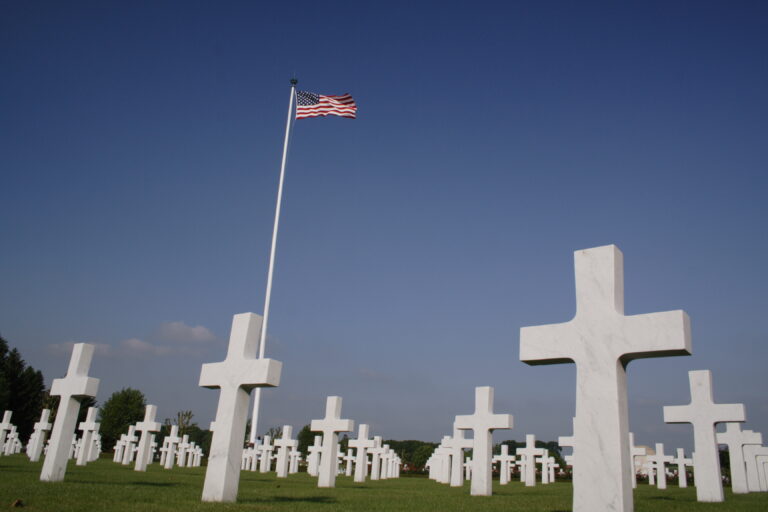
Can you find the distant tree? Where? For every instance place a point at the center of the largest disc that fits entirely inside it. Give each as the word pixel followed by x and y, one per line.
pixel 274 433
pixel 22 389
pixel 184 421
pixel 122 409
pixel 406 450
pixel 306 438
pixel 421 455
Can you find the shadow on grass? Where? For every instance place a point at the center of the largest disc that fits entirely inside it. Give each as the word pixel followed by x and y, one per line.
pixel 666 498
pixel 322 500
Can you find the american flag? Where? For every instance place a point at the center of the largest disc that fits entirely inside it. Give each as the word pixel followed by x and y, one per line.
pixel 309 104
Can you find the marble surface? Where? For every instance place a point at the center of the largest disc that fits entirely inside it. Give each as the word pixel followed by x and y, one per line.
pixel 361 445
pixel 482 423
pixel 40 430
pixel 70 390
pixel 704 414
pixel 455 446
pixel 284 447
pixel 330 426
pixel 601 340
pixel 146 428
pixel 755 476
pixel 682 462
pixel 235 377
pixel 87 427
pixel 735 439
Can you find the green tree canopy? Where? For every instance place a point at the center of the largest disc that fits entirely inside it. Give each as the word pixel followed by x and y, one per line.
pixel 22 389
pixel 306 438
pixel 122 409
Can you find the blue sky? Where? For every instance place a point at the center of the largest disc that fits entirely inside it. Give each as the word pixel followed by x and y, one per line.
pixel 141 145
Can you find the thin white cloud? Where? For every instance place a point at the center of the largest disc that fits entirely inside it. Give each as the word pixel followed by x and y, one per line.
pixel 179 332
pixel 137 346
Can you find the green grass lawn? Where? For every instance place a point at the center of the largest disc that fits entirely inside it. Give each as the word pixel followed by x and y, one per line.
pixel 104 485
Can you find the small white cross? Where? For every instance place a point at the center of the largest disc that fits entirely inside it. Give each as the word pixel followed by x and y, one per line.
pixel 703 413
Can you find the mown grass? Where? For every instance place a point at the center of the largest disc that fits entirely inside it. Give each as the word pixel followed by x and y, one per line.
pixel 104 485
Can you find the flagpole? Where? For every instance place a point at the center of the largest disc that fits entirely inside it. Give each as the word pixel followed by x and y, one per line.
pixel 270 272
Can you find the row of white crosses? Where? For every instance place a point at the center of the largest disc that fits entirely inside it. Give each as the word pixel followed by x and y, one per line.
pixel 9 438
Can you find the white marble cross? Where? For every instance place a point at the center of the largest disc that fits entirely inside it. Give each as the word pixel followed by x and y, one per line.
pixel 482 424
pixel 265 450
pixel 530 452
pixel 71 389
pixel 88 427
pixel 295 459
pixel 376 452
pixel 181 451
pixel 703 414
pixel 40 429
pixel 504 460
pixel 313 461
pixel 659 460
pixel 146 427
pixel 601 340
pixel 5 428
pixel 736 438
pixel 349 458
pixel 130 440
pixel 330 426
pixel 236 377
pixel 455 446
pixel 361 445
pixel 544 460
pixel 171 441
pixel 755 475
pixel 635 451
pixel 681 462
pixel 284 445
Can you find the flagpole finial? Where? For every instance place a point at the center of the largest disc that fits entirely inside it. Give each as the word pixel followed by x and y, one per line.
pixel 294 82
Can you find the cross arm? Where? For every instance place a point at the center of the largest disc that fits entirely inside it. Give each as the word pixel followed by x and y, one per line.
pixel 248 374
pixel 677 414
pixel 546 344
pixel 657 335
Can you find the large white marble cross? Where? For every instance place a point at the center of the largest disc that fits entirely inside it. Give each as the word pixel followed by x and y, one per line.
pixel 284 446
pixel 88 427
pixel 236 377
pixel 736 438
pixel 482 424
pixel 455 446
pixel 361 445
pixel 681 461
pixel 659 461
pixel 40 428
pixel 71 389
pixel 703 414
pixel 330 426
pixel 529 454
pixel 601 341
pixel 146 427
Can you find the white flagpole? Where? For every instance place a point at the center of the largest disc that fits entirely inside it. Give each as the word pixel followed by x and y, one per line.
pixel 263 336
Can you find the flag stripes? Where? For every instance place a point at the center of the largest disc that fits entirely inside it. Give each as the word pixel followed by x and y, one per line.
pixel 309 104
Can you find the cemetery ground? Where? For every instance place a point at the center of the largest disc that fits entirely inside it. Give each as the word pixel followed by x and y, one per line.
pixel 104 485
